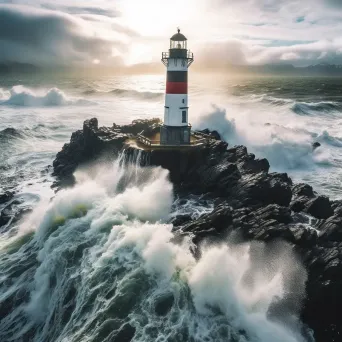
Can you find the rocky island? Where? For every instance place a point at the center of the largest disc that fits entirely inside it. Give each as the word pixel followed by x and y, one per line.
pixel 251 204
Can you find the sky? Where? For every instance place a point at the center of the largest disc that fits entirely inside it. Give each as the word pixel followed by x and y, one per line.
pixel 132 33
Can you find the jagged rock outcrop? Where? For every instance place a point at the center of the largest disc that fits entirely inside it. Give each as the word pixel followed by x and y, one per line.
pixel 251 204
pixel 85 145
pixel 304 199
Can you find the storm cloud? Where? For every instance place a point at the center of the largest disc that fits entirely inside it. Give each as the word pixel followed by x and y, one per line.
pixel 48 38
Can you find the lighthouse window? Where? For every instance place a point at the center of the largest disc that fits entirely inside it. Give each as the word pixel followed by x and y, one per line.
pixel 184 116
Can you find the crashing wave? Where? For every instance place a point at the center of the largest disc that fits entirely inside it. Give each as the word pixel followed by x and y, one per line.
pixel 26 97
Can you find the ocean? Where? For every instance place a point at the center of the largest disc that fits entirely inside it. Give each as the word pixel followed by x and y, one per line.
pixel 98 262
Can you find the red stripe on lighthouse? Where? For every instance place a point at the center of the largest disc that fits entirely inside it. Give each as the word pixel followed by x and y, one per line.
pixel 176 87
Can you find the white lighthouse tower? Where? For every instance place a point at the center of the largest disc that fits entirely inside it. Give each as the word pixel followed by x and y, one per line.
pixel 176 128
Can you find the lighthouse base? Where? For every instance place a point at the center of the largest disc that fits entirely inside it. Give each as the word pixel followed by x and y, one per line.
pixel 172 135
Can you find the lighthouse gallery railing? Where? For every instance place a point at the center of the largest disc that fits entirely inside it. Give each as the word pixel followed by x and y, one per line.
pixel 181 54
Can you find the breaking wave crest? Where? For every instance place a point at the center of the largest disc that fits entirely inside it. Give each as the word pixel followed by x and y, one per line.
pixel 26 97
pixel 100 263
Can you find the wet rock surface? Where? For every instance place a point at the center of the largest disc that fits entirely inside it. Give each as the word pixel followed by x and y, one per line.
pixel 251 204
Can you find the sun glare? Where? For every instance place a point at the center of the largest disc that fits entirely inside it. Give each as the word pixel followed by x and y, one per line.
pixel 157 20
pixel 155 17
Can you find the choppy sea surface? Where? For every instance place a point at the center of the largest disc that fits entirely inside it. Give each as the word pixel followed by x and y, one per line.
pixel 98 262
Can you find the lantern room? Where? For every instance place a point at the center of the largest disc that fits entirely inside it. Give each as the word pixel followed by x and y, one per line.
pixel 178 41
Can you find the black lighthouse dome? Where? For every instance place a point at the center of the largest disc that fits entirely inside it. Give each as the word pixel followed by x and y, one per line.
pixel 178 37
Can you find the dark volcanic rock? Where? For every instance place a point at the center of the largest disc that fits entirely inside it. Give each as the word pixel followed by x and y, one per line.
pixel 263 188
pixel 247 162
pixel 323 302
pixel 303 190
pixel 180 220
pixel 219 219
pixel 315 145
pixel 304 199
pixel 86 145
pixel 215 135
pixel 255 165
pixel 198 170
pixel 320 207
pixel 337 207
pixel 266 223
pixel 331 229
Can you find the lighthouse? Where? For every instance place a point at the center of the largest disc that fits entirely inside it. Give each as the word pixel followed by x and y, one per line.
pixel 176 128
